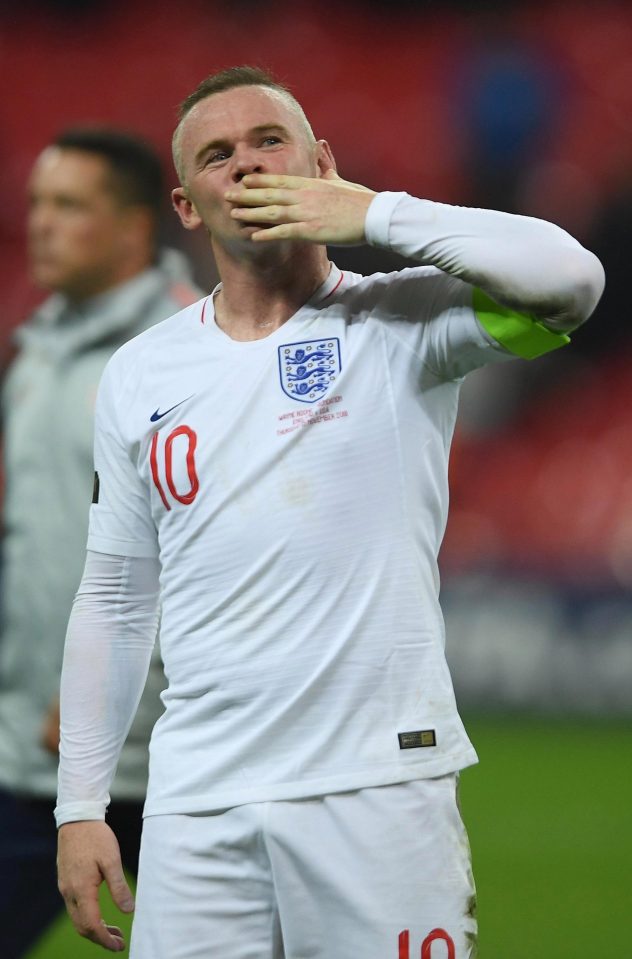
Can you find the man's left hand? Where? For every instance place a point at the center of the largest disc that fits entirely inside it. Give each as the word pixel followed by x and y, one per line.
pixel 50 729
pixel 320 210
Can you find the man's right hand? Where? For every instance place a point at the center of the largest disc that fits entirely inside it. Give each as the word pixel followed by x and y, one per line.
pixel 88 853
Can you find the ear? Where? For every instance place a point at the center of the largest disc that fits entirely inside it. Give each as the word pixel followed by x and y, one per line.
pixel 185 208
pixel 324 158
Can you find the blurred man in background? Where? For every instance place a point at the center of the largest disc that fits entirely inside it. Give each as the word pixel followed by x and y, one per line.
pixel 95 202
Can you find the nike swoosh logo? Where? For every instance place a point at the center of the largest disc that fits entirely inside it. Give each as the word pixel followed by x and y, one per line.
pixel 158 416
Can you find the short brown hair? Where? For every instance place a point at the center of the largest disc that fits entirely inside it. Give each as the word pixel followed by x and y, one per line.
pixel 243 76
pixel 135 167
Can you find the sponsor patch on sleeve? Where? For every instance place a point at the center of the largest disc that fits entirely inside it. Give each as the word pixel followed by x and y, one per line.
pixel 417 739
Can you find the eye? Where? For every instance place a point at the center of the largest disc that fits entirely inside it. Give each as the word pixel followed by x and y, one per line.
pixel 69 203
pixel 217 156
pixel 271 140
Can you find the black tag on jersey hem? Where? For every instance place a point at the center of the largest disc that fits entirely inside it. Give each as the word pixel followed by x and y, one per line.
pixel 417 739
pixel 95 489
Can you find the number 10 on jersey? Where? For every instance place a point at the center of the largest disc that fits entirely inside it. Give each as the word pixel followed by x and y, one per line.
pixel 161 459
pixel 437 935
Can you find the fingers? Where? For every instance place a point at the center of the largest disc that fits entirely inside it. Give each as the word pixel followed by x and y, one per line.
pixel 265 214
pixel 315 210
pixel 88 854
pixel 285 231
pixel 85 915
pixel 253 197
pixel 261 188
pixel 276 181
pixel 50 729
pixel 119 890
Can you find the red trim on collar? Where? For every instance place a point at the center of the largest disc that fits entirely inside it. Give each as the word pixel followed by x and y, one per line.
pixel 331 292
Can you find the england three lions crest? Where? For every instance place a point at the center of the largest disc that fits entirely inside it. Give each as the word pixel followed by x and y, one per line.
pixel 308 369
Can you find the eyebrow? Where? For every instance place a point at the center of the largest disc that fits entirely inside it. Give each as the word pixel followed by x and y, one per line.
pixel 258 130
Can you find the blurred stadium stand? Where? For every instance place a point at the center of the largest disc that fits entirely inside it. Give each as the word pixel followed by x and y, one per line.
pixel 552 491
pixel 526 107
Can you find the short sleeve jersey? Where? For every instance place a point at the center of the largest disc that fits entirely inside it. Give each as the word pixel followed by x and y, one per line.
pixel 295 491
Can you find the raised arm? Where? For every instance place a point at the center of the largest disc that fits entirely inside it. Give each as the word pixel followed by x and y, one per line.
pixel 110 637
pixel 526 264
pixel 522 263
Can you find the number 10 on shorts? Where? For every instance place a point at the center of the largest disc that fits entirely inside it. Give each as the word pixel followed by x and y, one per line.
pixel 437 935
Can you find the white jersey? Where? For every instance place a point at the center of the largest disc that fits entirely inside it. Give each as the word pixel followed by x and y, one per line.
pixel 295 491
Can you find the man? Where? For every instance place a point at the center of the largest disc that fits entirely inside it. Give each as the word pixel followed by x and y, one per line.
pixel 293 496
pixel 95 200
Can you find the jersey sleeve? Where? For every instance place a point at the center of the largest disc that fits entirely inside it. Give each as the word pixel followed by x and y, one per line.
pixel 120 516
pixel 457 326
pixel 529 266
pixel 111 633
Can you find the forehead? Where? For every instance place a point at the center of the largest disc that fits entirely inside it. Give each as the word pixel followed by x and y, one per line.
pixel 70 170
pixel 231 113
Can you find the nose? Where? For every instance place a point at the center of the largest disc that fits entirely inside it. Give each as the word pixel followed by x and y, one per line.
pixel 246 160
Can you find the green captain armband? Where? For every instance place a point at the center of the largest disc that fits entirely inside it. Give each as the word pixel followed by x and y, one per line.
pixel 519 333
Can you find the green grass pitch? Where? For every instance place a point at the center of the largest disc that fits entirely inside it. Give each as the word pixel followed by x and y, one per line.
pixel 549 813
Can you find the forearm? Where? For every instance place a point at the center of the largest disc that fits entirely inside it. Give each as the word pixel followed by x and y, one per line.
pixel 523 263
pixel 110 637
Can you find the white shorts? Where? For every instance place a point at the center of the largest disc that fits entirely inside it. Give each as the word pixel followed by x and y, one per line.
pixel 380 873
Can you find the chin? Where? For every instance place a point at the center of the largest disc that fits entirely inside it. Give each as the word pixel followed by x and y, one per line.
pixel 47 277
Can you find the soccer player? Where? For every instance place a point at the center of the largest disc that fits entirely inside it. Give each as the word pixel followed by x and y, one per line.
pixel 95 205
pixel 272 465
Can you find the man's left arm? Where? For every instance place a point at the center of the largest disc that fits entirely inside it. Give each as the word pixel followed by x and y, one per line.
pixel 522 264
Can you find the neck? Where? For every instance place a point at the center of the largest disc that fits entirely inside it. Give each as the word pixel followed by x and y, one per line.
pixel 80 293
pixel 260 294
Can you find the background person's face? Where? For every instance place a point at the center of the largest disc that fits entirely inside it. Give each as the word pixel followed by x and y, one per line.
pixel 76 226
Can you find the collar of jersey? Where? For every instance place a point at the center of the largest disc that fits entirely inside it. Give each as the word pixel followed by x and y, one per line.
pixel 318 298
pixel 333 281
